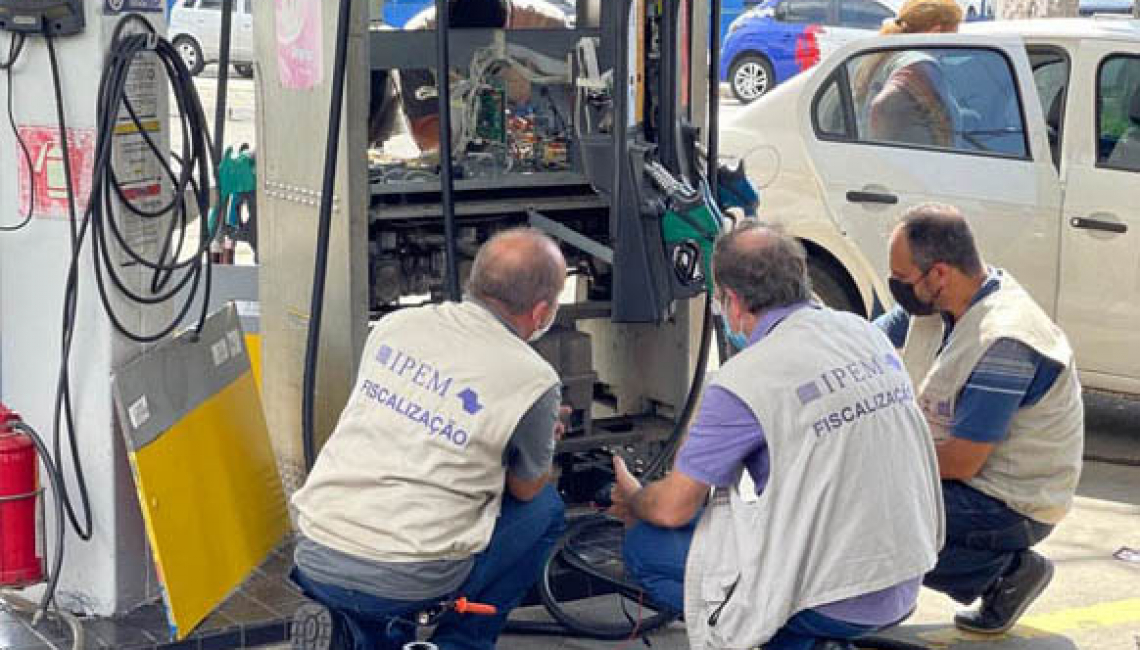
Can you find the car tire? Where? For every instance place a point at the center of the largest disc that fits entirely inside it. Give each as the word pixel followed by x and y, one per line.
pixel 244 70
pixel 750 77
pixel 191 54
pixel 831 285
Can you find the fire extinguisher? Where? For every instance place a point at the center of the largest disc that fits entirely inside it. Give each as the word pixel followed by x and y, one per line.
pixel 21 563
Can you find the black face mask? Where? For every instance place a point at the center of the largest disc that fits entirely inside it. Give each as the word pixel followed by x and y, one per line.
pixel 904 295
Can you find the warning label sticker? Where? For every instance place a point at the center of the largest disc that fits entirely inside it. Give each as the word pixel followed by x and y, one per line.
pixel 46 180
pixel 137 166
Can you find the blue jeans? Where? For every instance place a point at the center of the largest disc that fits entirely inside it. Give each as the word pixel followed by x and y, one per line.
pixel 983 538
pixel 502 575
pixel 655 559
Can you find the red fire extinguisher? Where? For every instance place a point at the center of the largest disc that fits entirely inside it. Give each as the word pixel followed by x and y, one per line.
pixel 20 561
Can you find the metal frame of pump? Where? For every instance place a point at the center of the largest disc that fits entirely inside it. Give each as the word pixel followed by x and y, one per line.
pixel 658 142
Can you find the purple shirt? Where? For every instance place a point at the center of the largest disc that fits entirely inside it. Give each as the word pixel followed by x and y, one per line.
pixel 726 434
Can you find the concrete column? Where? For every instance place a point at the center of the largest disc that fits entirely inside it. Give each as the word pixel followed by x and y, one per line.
pixel 112 572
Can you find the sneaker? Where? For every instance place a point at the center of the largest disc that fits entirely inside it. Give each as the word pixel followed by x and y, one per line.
pixel 1010 597
pixel 312 627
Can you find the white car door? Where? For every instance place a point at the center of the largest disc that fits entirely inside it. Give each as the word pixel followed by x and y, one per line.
pixel 1100 243
pixel 948 118
pixel 243 31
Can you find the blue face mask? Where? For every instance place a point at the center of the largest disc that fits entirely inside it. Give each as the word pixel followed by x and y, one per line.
pixel 738 340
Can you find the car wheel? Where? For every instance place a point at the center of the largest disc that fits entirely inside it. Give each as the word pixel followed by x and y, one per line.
pixel 191 54
pixel 831 286
pixel 245 70
pixel 750 77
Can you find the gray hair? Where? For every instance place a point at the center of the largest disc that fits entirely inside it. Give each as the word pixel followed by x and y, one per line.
pixel 939 233
pixel 518 268
pixel 763 265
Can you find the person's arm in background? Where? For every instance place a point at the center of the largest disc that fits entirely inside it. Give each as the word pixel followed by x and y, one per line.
pixel 529 454
pixel 724 436
pixel 895 324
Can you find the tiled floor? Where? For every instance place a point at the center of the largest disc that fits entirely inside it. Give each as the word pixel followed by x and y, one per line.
pixel 258 614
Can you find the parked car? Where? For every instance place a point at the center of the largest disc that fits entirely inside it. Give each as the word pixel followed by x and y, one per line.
pixel 196 30
pixel 1043 158
pixel 778 39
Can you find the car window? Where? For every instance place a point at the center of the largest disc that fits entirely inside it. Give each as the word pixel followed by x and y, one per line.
pixel 1118 113
pixel 247 6
pixel 830 114
pixel 959 99
pixel 1051 76
pixel 863 14
pixel 803 11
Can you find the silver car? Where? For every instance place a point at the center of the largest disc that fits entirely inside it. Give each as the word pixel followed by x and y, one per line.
pixel 196 27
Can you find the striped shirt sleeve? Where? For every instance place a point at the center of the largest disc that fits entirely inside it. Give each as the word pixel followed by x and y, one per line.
pixel 995 390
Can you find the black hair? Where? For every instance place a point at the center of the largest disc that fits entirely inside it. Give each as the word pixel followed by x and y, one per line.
pixel 939 233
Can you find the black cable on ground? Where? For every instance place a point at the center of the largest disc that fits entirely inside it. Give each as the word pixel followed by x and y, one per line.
pixel 568 622
pixel 15 48
pixel 102 213
pixel 324 227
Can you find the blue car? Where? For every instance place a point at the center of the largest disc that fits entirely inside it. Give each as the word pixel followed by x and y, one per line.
pixel 778 39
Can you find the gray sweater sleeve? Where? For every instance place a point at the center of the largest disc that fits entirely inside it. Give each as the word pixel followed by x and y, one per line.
pixel 531 449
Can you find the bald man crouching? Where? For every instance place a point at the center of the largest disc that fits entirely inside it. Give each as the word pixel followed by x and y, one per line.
pixel 434 483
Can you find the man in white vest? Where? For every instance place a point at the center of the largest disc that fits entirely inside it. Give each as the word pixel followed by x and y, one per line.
pixel 826 510
pixel 997 383
pixel 405 506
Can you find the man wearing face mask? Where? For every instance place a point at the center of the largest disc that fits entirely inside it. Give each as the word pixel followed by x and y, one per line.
pixel 997 384
pixel 826 511
pixel 434 483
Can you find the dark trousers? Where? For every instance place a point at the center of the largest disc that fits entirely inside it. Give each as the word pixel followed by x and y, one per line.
pixel 502 575
pixel 655 559
pixel 983 539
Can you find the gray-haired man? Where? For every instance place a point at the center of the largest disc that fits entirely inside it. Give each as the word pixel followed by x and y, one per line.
pixel 842 514
pixel 405 506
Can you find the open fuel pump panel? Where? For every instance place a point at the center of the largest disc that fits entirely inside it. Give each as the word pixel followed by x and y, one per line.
pixel 598 134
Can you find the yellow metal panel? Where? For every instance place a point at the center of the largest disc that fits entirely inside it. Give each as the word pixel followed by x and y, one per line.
pixel 214 471
pixel 253 347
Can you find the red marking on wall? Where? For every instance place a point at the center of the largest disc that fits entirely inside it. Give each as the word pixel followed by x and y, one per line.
pixel 47 174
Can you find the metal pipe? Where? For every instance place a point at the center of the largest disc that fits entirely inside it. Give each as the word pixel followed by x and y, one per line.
pixel 714 102
pixel 621 109
pixel 443 74
pixel 223 80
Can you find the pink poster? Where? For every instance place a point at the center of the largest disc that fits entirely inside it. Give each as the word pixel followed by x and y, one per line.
pixel 299 47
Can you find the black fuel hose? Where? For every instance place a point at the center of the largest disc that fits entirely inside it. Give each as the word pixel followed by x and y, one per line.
pixel 324 227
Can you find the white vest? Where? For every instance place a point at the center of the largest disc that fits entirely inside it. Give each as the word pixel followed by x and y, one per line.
pixel 414 469
pixel 853 502
pixel 1036 468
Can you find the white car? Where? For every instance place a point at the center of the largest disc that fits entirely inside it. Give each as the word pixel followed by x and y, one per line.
pixel 196 28
pixel 1036 140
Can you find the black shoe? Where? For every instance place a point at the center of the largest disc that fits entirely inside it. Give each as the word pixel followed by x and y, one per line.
pixel 312 627
pixel 1010 597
